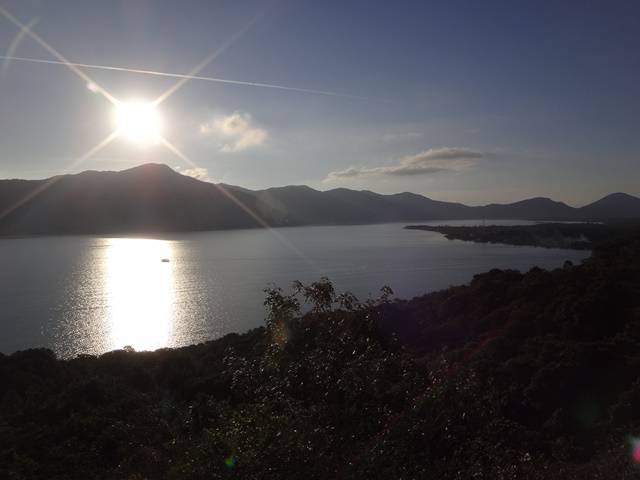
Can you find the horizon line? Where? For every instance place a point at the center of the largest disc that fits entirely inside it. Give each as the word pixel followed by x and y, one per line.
pixel 147 164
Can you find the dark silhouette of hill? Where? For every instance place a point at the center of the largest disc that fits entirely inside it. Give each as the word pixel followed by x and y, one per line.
pixel 155 198
pixel 533 208
pixel 616 205
pixel 516 375
pixel 146 198
pixel 300 205
pixel 401 205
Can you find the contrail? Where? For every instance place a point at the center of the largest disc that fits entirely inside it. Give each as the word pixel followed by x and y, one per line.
pixel 210 58
pixel 186 77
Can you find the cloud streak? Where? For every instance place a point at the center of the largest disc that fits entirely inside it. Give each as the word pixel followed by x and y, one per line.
pixel 236 130
pixel 427 162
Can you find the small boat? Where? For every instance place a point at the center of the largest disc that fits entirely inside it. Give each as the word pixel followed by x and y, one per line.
pixel 165 260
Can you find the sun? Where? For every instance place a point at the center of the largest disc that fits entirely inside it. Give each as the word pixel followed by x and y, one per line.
pixel 138 121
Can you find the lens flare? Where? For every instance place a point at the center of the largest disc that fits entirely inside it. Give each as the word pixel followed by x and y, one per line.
pixel 635 449
pixel 230 461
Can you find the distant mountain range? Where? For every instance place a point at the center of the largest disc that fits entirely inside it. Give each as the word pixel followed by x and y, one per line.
pixel 155 198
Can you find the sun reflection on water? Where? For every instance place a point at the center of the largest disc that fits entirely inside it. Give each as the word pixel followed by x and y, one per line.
pixel 140 292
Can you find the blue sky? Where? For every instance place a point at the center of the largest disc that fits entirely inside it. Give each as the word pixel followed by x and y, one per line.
pixel 461 100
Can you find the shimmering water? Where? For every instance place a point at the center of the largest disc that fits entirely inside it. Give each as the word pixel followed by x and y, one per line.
pixel 93 294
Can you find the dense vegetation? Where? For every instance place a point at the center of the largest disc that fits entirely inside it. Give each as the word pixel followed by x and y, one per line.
pixel 577 236
pixel 533 375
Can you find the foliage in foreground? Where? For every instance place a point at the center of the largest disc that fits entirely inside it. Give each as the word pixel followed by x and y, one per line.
pixel 515 375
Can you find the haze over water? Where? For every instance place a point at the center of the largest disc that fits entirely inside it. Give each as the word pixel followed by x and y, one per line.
pixel 88 294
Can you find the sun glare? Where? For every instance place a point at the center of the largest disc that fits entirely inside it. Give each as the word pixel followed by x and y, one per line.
pixel 139 122
pixel 140 291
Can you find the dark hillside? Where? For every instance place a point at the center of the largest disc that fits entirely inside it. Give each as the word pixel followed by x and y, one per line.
pixel 616 205
pixel 149 198
pixel 155 198
pixel 533 208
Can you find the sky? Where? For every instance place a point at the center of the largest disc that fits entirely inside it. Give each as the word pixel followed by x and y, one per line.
pixel 477 102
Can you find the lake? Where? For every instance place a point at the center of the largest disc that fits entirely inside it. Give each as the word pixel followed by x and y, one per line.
pixel 89 294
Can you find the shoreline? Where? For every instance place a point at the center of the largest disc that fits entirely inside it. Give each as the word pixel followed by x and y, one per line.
pixel 569 236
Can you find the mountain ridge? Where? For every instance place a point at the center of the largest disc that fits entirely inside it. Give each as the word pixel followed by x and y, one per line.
pixel 155 198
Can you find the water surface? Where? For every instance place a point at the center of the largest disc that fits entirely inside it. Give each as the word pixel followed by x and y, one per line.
pixel 94 294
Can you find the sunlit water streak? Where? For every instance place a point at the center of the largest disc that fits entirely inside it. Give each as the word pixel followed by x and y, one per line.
pixel 141 293
pixel 93 294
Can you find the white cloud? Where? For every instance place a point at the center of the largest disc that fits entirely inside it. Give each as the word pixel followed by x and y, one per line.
pixel 236 131
pixel 433 160
pixel 199 173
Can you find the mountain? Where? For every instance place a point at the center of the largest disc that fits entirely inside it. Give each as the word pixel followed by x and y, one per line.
pixel 299 205
pixel 534 208
pixel 155 198
pixel 146 198
pixel 616 205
